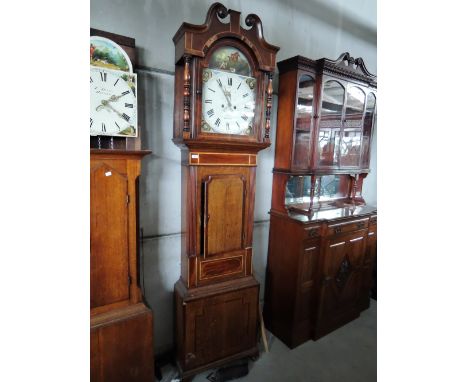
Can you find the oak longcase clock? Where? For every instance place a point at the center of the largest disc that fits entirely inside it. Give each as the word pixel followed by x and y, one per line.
pixel 222 105
pixel 121 324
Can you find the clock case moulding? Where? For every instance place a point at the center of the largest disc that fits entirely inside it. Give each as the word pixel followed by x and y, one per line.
pixel 217 296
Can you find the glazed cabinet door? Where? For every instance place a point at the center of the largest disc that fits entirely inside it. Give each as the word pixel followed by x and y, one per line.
pixel 304 122
pixel 368 127
pixel 329 130
pixel 350 147
pixel 109 236
pixel 345 126
pixel 341 284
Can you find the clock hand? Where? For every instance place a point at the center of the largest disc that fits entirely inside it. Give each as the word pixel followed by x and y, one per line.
pixel 105 103
pixel 228 94
pixel 228 98
pixel 225 92
pixel 115 98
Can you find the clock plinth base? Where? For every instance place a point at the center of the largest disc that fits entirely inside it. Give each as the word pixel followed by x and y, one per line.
pixel 122 345
pixel 216 324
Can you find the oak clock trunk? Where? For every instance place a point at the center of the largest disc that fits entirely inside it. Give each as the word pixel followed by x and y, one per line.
pixel 222 105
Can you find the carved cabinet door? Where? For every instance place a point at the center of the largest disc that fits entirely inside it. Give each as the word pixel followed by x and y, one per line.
pixel 341 284
pixel 109 235
pixel 368 266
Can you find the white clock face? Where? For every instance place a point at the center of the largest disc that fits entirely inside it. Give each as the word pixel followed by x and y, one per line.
pixel 228 103
pixel 113 103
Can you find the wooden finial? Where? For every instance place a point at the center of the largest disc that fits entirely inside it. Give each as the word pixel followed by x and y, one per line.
pixel 268 106
pixel 186 130
pixel 354 186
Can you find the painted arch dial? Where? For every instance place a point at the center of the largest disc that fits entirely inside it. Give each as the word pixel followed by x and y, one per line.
pixel 113 103
pixel 228 102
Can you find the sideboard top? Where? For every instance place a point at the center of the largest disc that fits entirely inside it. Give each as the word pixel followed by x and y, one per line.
pixel 334 214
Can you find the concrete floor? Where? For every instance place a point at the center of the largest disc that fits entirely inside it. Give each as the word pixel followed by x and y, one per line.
pixel 348 354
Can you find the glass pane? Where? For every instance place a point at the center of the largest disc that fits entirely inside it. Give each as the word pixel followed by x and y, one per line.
pixel 297 190
pixel 330 187
pixel 330 123
pixel 333 99
pixel 352 129
pixel 355 103
pixel 367 131
pixel 304 114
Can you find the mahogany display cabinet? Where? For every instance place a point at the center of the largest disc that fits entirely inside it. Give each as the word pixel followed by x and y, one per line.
pixel 323 236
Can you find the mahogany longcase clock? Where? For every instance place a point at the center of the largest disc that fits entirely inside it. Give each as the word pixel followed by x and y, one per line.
pixel 222 104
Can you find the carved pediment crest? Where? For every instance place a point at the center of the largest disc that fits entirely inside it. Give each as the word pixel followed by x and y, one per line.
pixel 195 40
pixel 349 66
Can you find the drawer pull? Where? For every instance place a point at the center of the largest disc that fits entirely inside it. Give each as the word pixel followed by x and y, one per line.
pixel 326 280
pixel 189 357
pixel 337 229
pixel 361 225
pixel 313 233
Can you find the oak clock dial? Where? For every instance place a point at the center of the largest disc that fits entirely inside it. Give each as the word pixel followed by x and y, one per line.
pixel 229 94
pixel 113 103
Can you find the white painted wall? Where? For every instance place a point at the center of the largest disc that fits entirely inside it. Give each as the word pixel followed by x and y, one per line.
pixel 312 28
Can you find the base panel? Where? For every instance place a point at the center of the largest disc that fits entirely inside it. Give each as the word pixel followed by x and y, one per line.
pixel 215 324
pixel 122 345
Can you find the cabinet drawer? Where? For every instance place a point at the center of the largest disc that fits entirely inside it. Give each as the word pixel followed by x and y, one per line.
pixel 312 232
pixel 348 226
